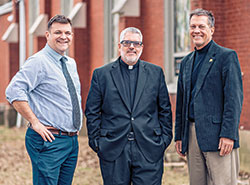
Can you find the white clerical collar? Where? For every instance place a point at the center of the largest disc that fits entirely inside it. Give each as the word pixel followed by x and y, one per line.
pixel 130 67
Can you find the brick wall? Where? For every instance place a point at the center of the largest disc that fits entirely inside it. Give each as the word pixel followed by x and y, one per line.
pixel 13 59
pixel 9 53
pixel 173 104
pixel 4 64
pixel 152 23
pixel 237 27
pixel 81 55
pixel 96 30
pixel 55 7
pixel 231 30
pixel 232 24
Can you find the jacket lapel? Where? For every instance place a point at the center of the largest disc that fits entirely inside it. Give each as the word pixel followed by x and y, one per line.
pixel 188 74
pixel 119 83
pixel 207 63
pixel 142 77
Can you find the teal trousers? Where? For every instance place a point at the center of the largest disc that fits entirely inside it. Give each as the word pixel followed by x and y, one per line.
pixel 53 163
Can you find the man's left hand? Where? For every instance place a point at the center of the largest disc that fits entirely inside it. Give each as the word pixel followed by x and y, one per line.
pixel 225 146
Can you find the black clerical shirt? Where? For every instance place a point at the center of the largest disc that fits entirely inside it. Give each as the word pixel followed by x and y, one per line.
pixel 130 76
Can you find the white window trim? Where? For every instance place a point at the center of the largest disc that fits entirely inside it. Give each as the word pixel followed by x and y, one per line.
pixel 111 31
pixel 11 34
pixel 115 36
pixel 170 77
pixel 127 8
pixel 40 25
pixel 78 15
pixel 6 8
pixel 66 7
pixel 181 54
pixel 107 31
pixel 169 54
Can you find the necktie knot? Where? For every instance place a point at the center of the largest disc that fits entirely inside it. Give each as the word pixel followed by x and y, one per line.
pixel 63 59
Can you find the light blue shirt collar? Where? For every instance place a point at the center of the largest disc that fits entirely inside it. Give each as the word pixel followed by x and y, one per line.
pixel 53 53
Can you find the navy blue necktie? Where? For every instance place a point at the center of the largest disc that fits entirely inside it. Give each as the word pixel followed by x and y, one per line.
pixel 73 95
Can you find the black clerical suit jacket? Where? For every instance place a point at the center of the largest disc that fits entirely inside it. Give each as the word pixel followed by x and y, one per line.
pixel 110 118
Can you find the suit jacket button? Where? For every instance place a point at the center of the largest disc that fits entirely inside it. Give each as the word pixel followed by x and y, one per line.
pixel 132 119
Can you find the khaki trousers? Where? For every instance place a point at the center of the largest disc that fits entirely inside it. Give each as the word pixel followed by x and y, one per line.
pixel 209 168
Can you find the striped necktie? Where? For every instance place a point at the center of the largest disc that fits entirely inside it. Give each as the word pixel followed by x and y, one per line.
pixel 73 95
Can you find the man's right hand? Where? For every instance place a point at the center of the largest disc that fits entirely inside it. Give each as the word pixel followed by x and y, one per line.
pixel 43 131
pixel 178 148
pixel 24 109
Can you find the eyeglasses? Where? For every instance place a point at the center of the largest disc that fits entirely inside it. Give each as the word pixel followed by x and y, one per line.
pixel 127 43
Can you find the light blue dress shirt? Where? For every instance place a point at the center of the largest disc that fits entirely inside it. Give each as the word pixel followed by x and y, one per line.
pixel 41 82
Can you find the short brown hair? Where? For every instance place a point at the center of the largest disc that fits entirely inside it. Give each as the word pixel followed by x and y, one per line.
pixel 60 19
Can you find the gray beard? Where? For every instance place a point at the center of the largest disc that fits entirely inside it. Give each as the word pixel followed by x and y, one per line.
pixel 132 61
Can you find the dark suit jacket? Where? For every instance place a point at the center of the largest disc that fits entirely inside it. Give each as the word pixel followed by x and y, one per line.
pixel 217 102
pixel 110 118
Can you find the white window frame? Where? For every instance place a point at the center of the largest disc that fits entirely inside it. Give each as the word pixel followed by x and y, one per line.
pixel 169 52
pixel 111 31
pixel 34 11
pixel 66 7
pixel 6 8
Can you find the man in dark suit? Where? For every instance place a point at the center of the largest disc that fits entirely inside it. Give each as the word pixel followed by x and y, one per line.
pixel 129 116
pixel 209 102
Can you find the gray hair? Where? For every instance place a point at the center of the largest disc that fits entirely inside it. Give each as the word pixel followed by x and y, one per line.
pixel 200 12
pixel 131 30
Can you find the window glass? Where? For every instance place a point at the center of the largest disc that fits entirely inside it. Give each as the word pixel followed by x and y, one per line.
pixel 34 11
pixel 66 6
pixel 181 25
pixel 181 32
pixel 111 31
pixel 177 41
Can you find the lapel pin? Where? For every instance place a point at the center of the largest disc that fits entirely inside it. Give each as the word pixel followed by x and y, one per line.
pixel 211 60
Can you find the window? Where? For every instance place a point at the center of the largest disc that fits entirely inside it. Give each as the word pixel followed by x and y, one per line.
pixel 113 9
pixel 111 31
pixel 181 34
pixel 66 6
pixel 181 25
pixel 177 42
pixel 34 11
pixel 2 2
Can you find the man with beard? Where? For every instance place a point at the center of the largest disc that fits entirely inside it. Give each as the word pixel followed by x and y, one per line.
pixel 46 92
pixel 129 116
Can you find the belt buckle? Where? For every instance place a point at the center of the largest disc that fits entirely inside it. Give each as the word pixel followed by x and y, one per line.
pixel 71 133
pixel 131 136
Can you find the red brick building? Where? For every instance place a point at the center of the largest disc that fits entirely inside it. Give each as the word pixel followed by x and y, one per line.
pixel 96 26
